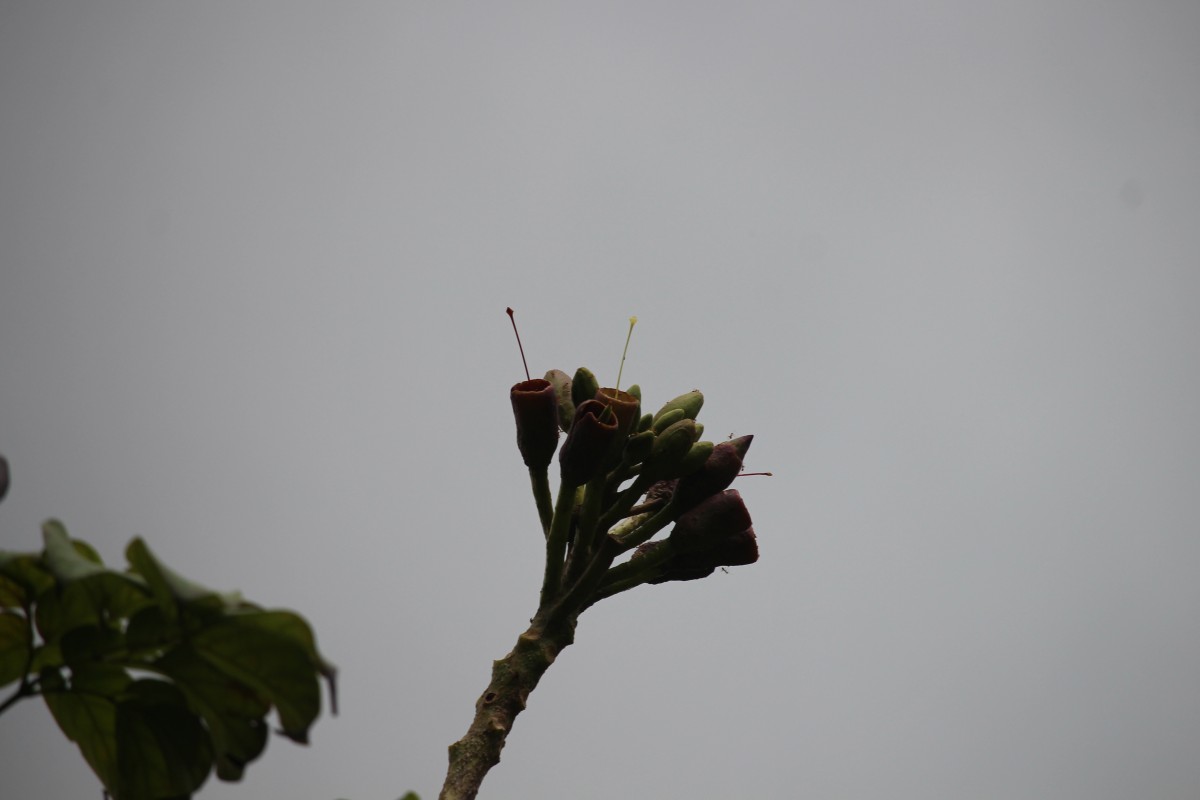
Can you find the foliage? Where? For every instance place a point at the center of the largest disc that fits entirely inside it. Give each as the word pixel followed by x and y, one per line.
pixel 157 679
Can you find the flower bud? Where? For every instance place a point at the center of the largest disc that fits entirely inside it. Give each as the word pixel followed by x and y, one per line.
pixel 716 474
pixel 664 421
pixel 696 457
pixel 732 550
pixel 536 413
pixel 583 386
pixel 670 448
pixel 680 569
pixel 592 433
pixel 562 393
pixel 675 568
pixel 638 447
pixel 736 550
pixel 740 445
pixel 690 402
pixel 706 525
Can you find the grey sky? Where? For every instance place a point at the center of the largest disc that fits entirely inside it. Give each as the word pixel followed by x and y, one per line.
pixel 943 260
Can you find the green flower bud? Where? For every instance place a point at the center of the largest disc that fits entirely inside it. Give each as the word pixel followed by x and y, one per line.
pixel 536 413
pixel 695 457
pixel 671 447
pixel 583 386
pixel 690 402
pixel 664 421
pixel 561 382
pixel 636 391
pixel 592 433
pixel 638 447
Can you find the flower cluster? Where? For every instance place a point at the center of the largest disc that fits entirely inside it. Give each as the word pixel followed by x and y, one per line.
pixel 624 476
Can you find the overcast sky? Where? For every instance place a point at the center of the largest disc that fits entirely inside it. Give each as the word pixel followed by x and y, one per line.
pixel 942 259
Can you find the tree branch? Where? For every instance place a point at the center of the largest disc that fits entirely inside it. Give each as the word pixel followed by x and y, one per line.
pixel 513 678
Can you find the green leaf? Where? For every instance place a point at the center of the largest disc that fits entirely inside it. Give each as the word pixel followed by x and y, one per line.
pixel 90 592
pixel 12 594
pixel 172 590
pixel 48 656
pixel 62 559
pixel 22 578
pixel 101 679
pixel 263 651
pixel 234 713
pixel 298 630
pixel 99 600
pixel 56 612
pixel 16 641
pixel 86 550
pixel 138 736
pixel 149 629
pixel 90 720
pixel 163 750
pixel 89 643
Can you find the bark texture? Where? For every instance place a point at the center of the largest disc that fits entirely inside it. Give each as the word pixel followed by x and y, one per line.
pixel 513 679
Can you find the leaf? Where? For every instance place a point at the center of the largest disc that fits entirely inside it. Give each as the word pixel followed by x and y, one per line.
pixel 297 628
pixel 171 589
pixel 149 629
pixel 138 736
pixel 90 720
pixel 101 679
pixel 48 656
pixel 262 651
pixel 98 600
pixel 86 550
pixel 234 713
pixel 12 594
pixel 22 577
pixel 163 751
pixel 61 558
pixel 15 647
pixel 89 643
pixel 90 592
